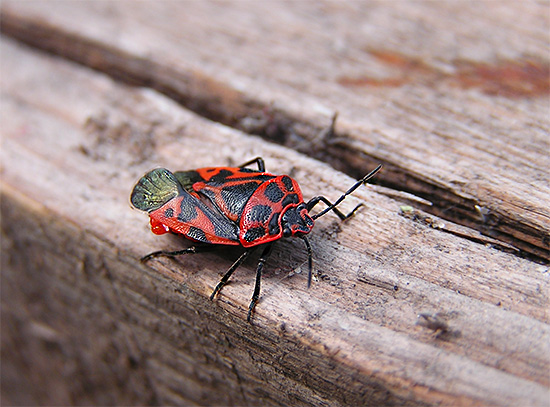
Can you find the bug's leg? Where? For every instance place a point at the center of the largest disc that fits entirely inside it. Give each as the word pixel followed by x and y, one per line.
pixel 256 295
pixel 189 250
pixel 257 160
pixel 228 273
pixel 332 206
pixel 309 260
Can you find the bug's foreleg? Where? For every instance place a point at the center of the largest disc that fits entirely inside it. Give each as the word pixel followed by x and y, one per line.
pixel 189 250
pixel 256 295
pixel 228 273
pixel 309 260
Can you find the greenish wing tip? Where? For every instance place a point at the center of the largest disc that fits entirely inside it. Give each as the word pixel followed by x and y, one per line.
pixel 154 189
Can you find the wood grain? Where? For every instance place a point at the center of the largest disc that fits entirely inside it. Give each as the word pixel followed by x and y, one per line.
pixel 84 322
pixel 453 98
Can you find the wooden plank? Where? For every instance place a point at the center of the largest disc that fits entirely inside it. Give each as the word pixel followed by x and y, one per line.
pixel 84 322
pixel 458 121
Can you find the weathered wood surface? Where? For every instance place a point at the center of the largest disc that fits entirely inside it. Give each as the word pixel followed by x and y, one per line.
pixel 452 97
pixel 84 322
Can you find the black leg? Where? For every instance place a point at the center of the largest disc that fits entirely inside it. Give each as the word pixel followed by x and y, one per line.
pixel 190 250
pixel 228 273
pixel 257 160
pixel 332 206
pixel 309 260
pixel 256 295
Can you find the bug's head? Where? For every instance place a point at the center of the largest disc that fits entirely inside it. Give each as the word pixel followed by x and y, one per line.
pixel 296 221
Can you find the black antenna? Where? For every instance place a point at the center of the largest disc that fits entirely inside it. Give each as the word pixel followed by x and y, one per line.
pixel 331 207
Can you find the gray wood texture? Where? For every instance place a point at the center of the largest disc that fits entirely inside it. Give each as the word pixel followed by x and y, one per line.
pixel 408 308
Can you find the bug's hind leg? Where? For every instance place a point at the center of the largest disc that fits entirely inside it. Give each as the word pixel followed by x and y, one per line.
pixel 228 273
pixel 257 160
pixel 256 295
pixel 167 253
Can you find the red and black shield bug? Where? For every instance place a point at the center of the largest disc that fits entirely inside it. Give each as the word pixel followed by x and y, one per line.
pixel 232 206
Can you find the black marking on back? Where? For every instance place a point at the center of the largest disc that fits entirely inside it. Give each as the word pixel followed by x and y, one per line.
pixel 236 196
pixel 259 213
pixel 290 199
pixel 220 177
pixel 223 177
pixel 254 234
pixel 197 234
pixel 273 192
pixel 168 213
pixel 287 182
pixel 187 212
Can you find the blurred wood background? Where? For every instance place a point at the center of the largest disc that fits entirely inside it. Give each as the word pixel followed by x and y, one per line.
pixel 437 292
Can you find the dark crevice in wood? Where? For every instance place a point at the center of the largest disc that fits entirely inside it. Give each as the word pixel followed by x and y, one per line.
pixel 218 102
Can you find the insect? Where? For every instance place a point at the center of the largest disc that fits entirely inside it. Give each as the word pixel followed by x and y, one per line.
pixel 232 206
